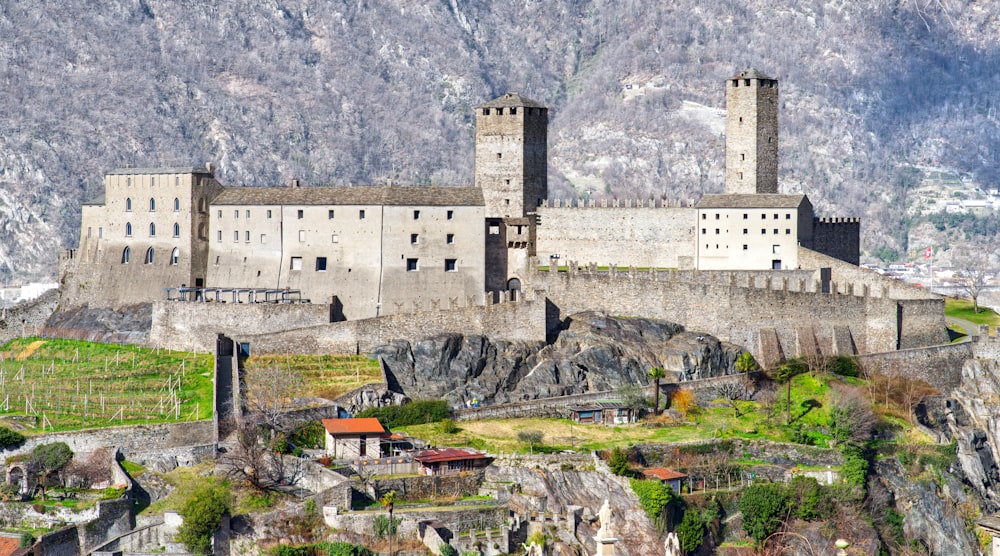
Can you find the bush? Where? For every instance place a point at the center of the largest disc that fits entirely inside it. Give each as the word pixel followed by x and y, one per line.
pixel 27 540
pixel 808 500
pixel 414 413
pixel 657 499
pixel 447 550
pixel 448 426
pixel 618 462
pixel 855 468
pixel 382 527
pixel 691 531
pixel 845 365
pixel 202 515
pixel 310 435
pixel 801 436
pixel 325 548
pixel 762 507
pixel 51 457
pixel 9 438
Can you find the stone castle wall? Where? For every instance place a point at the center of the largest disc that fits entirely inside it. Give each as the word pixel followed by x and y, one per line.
pixel 642 233
pixel 839 238
pixel 939 366
pixel 28 318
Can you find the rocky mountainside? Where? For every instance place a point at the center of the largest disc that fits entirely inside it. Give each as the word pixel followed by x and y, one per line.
pixel 594 353
pixel 361 92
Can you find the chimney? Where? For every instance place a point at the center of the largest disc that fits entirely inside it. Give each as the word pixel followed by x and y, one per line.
pixel 294 182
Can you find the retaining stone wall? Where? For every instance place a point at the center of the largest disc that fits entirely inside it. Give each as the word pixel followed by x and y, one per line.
pixel 457 520
pixel 28 318
pixel 939 366
pixel 986 346
pixel 426 487
pixel 191 326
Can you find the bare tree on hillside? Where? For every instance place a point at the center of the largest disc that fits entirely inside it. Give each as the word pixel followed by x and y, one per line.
pixel 972 278
pixel 269 394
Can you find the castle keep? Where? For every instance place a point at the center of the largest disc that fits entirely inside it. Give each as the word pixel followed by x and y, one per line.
pixel 358 253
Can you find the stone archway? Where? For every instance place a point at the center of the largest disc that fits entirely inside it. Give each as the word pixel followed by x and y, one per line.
pixel 514 287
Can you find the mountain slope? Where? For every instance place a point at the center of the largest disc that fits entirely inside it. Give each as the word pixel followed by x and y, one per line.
pixel 360 92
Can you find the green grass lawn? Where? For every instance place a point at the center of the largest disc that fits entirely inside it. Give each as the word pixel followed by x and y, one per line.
pixel 326 376
pixel 73 384
pixel 962 309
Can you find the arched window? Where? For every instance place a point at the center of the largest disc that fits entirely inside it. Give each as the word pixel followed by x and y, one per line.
pixel 177 204
pixel 201 205
pixel 175 256
pixel 126 255
pixel 128 229
pixel 152 230
pixel 128 204
pixel 152 205
pixel 149 256
pixel 177 230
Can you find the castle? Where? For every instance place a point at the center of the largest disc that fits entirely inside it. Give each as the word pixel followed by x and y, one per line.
pixel 368 252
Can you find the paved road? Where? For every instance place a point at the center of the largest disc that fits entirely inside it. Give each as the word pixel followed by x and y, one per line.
pixel 969 327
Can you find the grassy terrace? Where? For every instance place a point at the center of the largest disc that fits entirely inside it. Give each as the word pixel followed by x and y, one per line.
pixel 326 376
pixel 73 384
pixel 962 309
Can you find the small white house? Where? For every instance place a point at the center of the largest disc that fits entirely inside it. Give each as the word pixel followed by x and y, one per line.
pixel 354 438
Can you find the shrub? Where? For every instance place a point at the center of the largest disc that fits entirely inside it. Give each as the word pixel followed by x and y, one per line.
pixel 763 506
pixel 531 438
pixel 286 550
pixel 448 426
pixel 27 540
pixel 9 438
pixel 657 499
pixel 618 462
pixel 51 457
pixel 845 365
pixel 202 515
pixel 855 468
pixel 382 527
pixel 801 436
pixel 414 413
pixel 807 498
pixel 447 550
pixel 342 549
pixel 309 435
pixel 691 531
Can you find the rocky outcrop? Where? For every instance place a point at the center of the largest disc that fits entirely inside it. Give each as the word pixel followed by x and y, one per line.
pixel 593 352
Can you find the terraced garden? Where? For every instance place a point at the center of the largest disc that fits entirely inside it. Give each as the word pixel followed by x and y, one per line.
pixel 52 384
pixel 325 376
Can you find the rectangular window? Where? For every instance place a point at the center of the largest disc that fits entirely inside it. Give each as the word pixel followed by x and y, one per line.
pixel 361 214
pixel 248 213
pixel 220 235
pixel 450 239
pixel 788 216
pixel 414 239
pixel 704 216
pixel 745 231
pixel 320 264
pixel 763 217
pixel 775 231
pixel 177 180
pixel 716 231
pixel 334 238
pixel 776 249
pixel 268 214
pixel 329 214
pixel 450 265
pixel 745 216
pixel 745 247
pixel 296 263
pixel 494 229
pixel 763 231
pixel 451 214
pixel 716 216
pixel 416 215
pixel 788 231
pixel 300 213
pixel 89 230
pixel 411 265
pixel 236 236
pixel 302 236
pixel 775 216
pixel 263 238
pixel 246 236
pixel 100 232
pixel 236 214
pixel 152 182
pixel 220 213
pixel 704 231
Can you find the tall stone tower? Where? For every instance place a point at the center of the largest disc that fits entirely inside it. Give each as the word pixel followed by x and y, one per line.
pixel 512 155
pixel 751 133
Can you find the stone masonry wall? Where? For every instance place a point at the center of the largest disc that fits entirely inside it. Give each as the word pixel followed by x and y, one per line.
pixel 921 323
pixel 28 318
pixel 939 366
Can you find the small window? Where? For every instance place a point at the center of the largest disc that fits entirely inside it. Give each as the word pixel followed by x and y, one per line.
pixel 152 205
pixel 320 264
pixel 128 229
pixel 776 249
pixel 361 214
pixel 329 214
pixel 263 239
pixel 414 239
pixel 763 217
pixel 236 236
pixel 177 180
pixel 450 239
pixel 745 216
pixel 499 156
pixel 220 235
pixel 739 175
pixel 302 236
pixel 128 204
pixel 451 215
pixel 411 265
pixel 177 204
pixel 716 216
pixel 450 265
pixel 745 231
pixel 220 213
pixel 486 111
pixel 788 216
pixel 763 231
pixel 775 216
pixel 152 182
pixel 149 256
pixel 744 247
pixel 246 236
pixel 202 233
pixel 296 263
pixel 236 214
pixel 100 232
pixel 716 231
pixel 175 256
pixel 268 214
pixel 416 215
pixel 217 260
pixel 335 238
pixel 743 156
pixel 152 230
pixel 300 214
pixel 128 182
pixel 775 231
pixel 704 216
pixel 126 255
pixel 494 229
pixel 177 230
pixel 89 231
pixel 788 231
pixel 513 111
pixel 202 205
pixel 499 111
pixel 247 214
pixel 704 231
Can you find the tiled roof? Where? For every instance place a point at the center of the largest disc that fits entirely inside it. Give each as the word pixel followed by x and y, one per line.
pixel 510 99
pixel 8 546
pixel 359 425
pixel 165 170
pixel 750 74
pixel 664 474
pixel 425 196
pixel 448 454
pixel 598 405
pixel 752 200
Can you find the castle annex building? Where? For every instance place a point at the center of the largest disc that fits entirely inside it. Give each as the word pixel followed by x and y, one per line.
pixel 371 251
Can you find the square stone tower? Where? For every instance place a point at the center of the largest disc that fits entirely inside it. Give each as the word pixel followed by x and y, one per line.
pixel 751 133
pixel 512 155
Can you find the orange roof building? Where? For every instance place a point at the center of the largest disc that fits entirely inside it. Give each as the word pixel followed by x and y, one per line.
pixel 358 425
pixel 354 438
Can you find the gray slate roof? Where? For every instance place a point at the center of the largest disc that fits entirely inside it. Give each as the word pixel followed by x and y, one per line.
pixel 751 74
pixel 758 200
pixel 98 200
pixel 165 170
pixel 425 196
pixel 510 99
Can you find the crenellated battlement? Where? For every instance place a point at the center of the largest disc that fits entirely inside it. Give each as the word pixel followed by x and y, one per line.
pixel 837 220
pixel 985 346
pixel 617 203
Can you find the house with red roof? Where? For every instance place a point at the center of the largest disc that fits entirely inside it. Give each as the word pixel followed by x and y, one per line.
pixel 669 477
pixel 450 461
pixel 351 438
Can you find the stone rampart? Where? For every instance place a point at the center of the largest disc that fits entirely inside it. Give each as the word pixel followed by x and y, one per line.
pixel 522 320
pixel 845 273
pixel 424 487
pixel 132 441
pixel 27 318
pixel 457 519
pixel 939 366
pixel 985 346
pixel 921 323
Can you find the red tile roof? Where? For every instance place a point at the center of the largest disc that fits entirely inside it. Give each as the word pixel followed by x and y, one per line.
pixel 8 546
pixel 664 474
pixel 448 454
pixel 360 425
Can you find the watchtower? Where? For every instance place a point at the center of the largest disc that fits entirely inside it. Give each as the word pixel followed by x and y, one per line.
pixel 751 133
pixel 512 155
